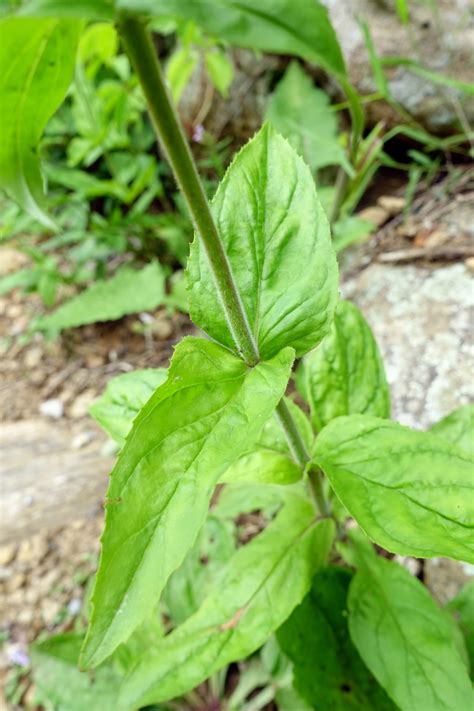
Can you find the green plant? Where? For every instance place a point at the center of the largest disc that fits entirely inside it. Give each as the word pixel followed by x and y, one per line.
pixel 262 283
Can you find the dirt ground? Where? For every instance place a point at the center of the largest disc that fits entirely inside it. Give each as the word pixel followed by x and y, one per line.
pixel 44 577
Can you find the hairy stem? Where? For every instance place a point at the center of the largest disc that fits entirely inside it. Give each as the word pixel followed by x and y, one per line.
pixel 139 46
pixel 302 457
pixel 170 134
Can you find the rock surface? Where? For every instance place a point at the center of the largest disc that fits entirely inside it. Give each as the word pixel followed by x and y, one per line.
pixel 440 36
pixel 46 482
pixel 422 319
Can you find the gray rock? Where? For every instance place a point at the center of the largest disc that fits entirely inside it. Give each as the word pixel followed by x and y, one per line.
pixel 440 37
pixel 422 320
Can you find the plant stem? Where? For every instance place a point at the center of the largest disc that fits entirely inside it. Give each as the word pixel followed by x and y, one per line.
pixel 139 46
pixel 342 181
pixel 301 456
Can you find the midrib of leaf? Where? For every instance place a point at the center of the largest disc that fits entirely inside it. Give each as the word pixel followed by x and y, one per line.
pixel 261 228
pixel 418 502
pixel 344 360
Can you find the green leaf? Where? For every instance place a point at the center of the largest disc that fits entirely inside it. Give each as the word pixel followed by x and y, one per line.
pixel 37 60
pixel 220 70
pixel 270 461
pixel 350 229
pixel 458 428
pixel 465 87
pixel 408 643
pixel 99 41
pixel 402 11
pixel 89 9
pixel 345 374
pixel 245 497
pixel 162 483
pixel 127 292
pixel 302 114
pixel 59 681
pixel 375 62
pixel 22 278
pixel 252 596
pixel 277 240
pixel 410 491
pixel 295 27
pixel 337 679
pixel 179 70
pixel 123 398
pixel 463 607
pixel 189 585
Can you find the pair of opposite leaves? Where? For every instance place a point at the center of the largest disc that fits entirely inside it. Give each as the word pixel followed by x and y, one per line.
pixel 191 442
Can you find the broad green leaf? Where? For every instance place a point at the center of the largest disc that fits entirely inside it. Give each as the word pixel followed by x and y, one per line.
pixel 328 671
pixel 345 374
pixel 295 27
pixel 60 683
pixel 245 497
pixel 278 244
pixel 288 699
pixel 161 486
pixel 123 399
pixel 270 460
pixel 37 59
pixel 264 466
pixel 98 41
pixel 189 585
pixel 252 596
pixel 458 428
pixel 411 492
pixel 179 70
pixel 88 9
pixel 127 292
pixel 406 640
pixel 144 637
pixel 301 113
pixel 463 608
pixel 220 70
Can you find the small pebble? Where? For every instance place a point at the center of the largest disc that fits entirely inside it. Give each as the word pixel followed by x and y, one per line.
pixel 53 408
pixel 74 606
pixel 376 215
pixel 393 204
